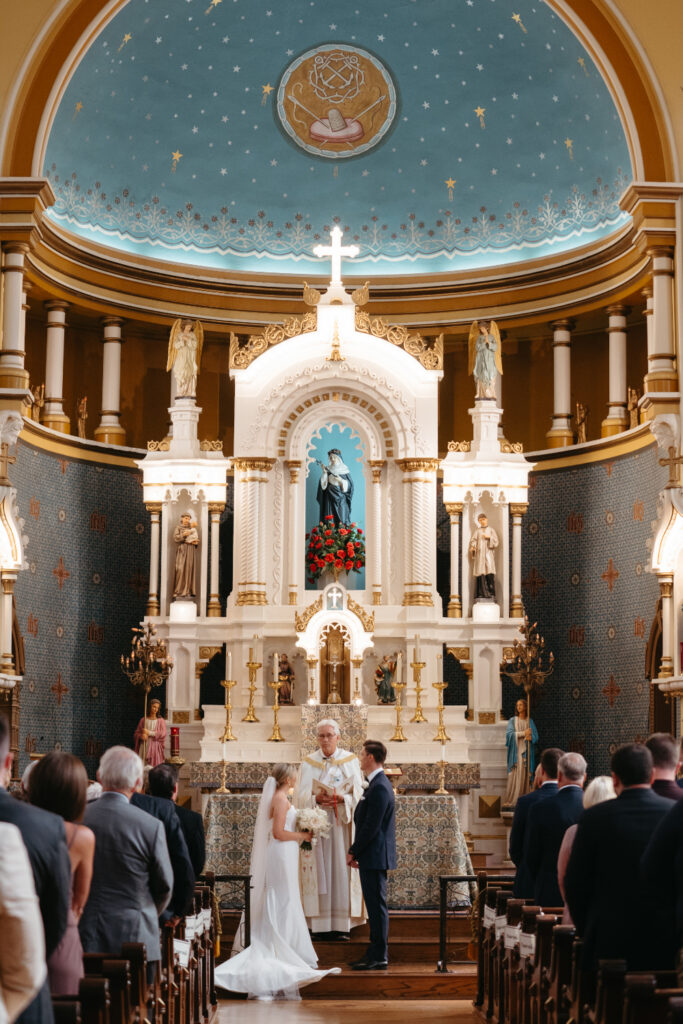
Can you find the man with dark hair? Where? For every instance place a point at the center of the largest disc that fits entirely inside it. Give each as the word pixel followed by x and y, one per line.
pixel 373 852
pixel 605 895
pixel 183 874
pixel 662 875
pixel 524 883
pixel 666 755
pixel 548 822
pixel 45 840
pixel 162 782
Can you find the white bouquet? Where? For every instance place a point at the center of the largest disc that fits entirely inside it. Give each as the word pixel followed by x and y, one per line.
pixel 314 820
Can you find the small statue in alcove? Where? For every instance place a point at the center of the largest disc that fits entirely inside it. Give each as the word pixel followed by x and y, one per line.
pixel 385 673
pixel 581 420
pixel 187 541
pixel 286 674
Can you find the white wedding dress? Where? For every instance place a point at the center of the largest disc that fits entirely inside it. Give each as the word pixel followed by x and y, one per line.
pixel 281 958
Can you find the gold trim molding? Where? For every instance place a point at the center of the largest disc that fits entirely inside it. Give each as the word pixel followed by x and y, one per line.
pixel 301 621
pixel 367 618
pixel 459 653
pixel 242 356
pixel 459 446
pixel 430 355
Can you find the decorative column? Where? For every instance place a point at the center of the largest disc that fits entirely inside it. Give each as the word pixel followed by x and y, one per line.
pixel 561 434
pixel 666 585
pixel 154 509
pixel 454 510
pixel 12 372
pixel 649 321
pixel 419 481
pixel 516 606
pixel 53 410
pixel 661 375
pixel 214 606
pixel 9 578
pixel 110 430
pixel 295 557
pixel 251 584
pixel 617 416
pixel 376 465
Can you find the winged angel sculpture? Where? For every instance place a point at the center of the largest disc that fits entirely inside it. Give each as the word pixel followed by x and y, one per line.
pixel 184 355
pixel 485 360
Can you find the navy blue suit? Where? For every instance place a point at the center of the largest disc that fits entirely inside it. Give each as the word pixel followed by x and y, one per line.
pixel 524 883
pixel 548 822
pixel 183 874
pixel 374 847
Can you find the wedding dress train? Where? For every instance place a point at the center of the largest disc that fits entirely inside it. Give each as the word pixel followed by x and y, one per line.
pixel 281 958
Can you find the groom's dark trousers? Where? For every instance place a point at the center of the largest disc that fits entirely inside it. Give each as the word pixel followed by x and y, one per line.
pixel 374 847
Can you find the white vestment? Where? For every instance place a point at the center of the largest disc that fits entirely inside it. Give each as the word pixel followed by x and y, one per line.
pixel 332 896
pixel 482 546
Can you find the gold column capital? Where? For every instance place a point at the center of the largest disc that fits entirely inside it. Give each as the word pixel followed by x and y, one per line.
pixel 413 465
pixel 153 507
pixel 216 507
pixel 454 509
pixel 518 508
pixel 293 465
pixel 257 465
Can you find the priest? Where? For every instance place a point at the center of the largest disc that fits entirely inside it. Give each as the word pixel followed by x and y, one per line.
pixel 331 777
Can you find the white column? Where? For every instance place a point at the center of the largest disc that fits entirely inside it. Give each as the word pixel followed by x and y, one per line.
pixel 295 555
pixel 12 371
pixel 53 411
pixel 251 586
pixel 154 509
pixel 561 434
pixel 617 415
pixel 516 606
pixel 110 430
pixel 375 566
pixel 666 584
pixel 214 606
pixel 7 661
pixel 454 510
pixel 419 483
pixel 661 375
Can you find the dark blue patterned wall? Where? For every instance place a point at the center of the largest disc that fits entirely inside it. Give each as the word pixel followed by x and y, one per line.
pixel 86 586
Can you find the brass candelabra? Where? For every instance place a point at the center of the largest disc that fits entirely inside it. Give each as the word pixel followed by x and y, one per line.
pixel 275 686
pixel 253 667
pixel 228 734
pixel 147 665
pixel 441 734
pixel 442 791
pixel 357 698
pixel 312 696
pixel 417 667
pixel 224 769
pixel 399 735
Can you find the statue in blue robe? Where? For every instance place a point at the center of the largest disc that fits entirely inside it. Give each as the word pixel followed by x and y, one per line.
pixel 335 489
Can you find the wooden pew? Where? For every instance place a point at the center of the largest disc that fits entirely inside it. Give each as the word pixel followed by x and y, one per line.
pixel 545 923
pixel 497 950
pixel 93 995
pixel 136 955
pixel 647 996
pixel 508 957
pixel 66 1010
pixel 609 996
pixel 577 993
pixel 520 976
pixel 487 941
pixel 117 973
pixel 558 976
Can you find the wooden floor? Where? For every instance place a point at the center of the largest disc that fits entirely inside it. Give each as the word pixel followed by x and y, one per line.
pixel 338 1011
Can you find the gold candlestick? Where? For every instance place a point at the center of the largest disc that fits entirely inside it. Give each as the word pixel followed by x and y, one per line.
pixel 228 734
pixel 223 788
pixel 417 667
pixel 357 698
pixel 441 735
pixel 442 791
pixel 312 696
pixel 277 736
pixel 399 735
pixel 253 667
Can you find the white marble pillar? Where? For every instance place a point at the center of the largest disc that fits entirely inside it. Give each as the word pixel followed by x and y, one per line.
pixel 661 375
pixel 53 410
pixel 666 584
pixel 419 555
pixel 252 479
pixel 7 661
pixel 214 606
pixel 154 509
pixel 561 434
pixel 12 371
pixel 517 511
pixel 375 566
pixel 110 430
pixel 454 510
pixel 295 555
pixel 617 416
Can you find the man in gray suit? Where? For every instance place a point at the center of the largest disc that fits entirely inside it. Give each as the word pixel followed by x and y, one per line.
pixel 132 875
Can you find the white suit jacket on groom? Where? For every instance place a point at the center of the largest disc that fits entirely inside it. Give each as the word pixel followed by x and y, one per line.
pixel 329 855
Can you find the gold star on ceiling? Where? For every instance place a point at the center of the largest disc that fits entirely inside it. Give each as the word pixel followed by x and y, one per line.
pixel 480 111
pixel 265 93
pixel 582 62
pixel 517 18
pixel 77 109
pixel 126 39
pixel 177 155
pixel 569 144
pixel 450 185
pixel 212 5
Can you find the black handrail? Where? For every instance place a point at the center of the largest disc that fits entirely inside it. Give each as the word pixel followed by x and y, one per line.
pixel 444 882
pixel 246 880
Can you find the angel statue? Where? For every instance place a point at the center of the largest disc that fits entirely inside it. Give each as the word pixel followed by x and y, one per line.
pixel 184 355
pixel 485 357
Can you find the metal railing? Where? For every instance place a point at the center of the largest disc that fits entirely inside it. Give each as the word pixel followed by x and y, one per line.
pixel 238 897
pixel 482 881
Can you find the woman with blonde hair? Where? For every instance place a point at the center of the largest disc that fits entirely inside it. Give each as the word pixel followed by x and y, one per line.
pixel 597 791
pixel 280 958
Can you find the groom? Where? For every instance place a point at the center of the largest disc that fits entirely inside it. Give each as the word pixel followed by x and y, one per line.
pixel 373 852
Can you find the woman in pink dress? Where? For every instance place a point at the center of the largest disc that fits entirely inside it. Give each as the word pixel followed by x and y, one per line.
pixel 151 735
pixel 601 788
pixel 58 783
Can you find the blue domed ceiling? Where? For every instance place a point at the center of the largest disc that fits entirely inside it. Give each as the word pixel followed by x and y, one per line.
pixel 440 135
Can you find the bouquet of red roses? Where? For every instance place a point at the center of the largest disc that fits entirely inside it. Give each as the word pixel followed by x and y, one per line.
pixel 334 547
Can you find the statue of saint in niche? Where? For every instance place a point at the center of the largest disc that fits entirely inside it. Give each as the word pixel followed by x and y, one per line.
pixel 184 355
pixel 485 362
pixel 187 541
pixel 384 678
pixel 335 489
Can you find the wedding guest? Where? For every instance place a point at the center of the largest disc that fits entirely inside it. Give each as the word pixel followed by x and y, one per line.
pixel 601 788
pixel 59 783
pixel 132 875
pixel 548 822
pixel 22 942
pixel 44 837
pixel 547 786
pixel 183 873
pixel 666 755
pixel 163 783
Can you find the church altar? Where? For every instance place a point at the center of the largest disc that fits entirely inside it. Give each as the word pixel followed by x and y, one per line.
pixel 429 843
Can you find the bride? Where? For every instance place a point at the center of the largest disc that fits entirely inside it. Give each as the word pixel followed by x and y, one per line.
pixel 281 957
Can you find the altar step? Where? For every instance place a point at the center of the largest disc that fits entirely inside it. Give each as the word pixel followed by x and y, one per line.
pixel 400 981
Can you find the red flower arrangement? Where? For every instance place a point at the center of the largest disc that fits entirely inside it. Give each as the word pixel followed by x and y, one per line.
pixel 340 548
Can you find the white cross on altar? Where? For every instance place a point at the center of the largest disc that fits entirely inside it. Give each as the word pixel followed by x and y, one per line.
pixel 336 250
pixel 335 595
